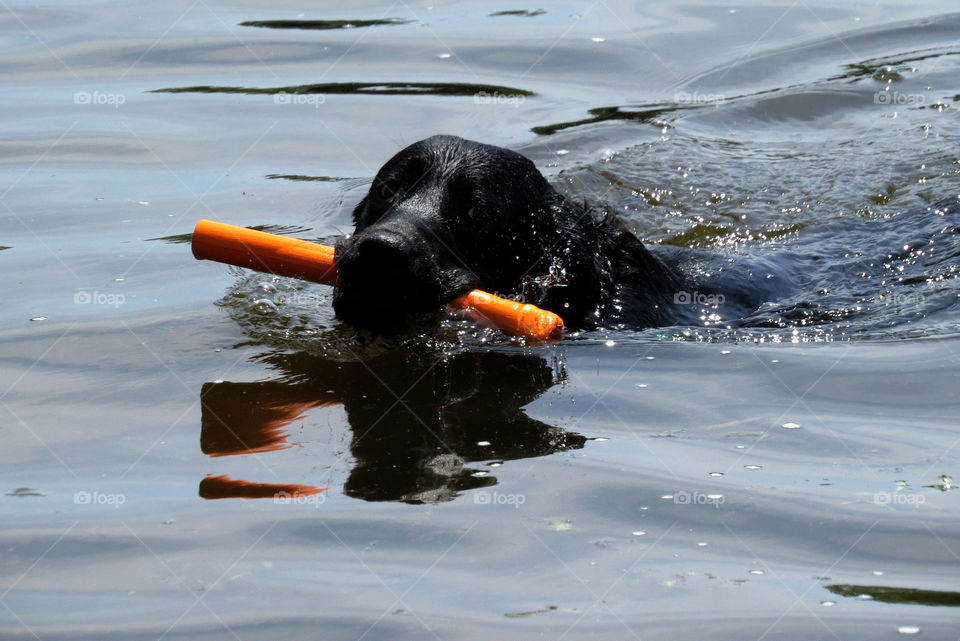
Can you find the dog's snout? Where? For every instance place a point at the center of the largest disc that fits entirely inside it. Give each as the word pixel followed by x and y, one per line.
pixel 376 258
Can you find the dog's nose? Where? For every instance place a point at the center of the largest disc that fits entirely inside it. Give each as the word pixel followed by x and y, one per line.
pixel 378 258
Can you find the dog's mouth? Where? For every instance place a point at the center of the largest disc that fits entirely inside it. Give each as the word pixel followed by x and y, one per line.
pixel 388 287
pixel 392 311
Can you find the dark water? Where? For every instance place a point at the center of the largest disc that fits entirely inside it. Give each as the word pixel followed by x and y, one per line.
pixel 781 474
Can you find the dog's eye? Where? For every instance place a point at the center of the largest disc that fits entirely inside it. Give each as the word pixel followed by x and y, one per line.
pixel 387 190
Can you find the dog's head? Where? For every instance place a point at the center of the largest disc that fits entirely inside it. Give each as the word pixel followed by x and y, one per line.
pixel 443 216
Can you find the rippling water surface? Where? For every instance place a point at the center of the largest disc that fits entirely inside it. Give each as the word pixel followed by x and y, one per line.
pixel 196 452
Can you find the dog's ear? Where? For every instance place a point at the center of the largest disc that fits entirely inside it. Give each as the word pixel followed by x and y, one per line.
pixel 358 210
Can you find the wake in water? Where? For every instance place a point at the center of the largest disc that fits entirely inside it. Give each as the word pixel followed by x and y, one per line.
pixel 858 277
pixel 874 278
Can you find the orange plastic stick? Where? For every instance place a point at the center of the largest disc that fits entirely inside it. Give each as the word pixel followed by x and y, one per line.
pixel 310 261
pixel 264 252
pixel 518 319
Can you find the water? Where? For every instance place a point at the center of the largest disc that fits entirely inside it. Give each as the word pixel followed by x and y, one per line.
pixel 461 485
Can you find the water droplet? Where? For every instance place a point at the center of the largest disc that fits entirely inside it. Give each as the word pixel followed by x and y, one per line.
pixel 887 74
pixel 443 56
pixel 601 439
pixel 562 152
pixel 756 572
pixel 715 497
pixel 828 604
pixel 610 343
pixel 791 426
pixel 753 467
pixel 908 629
pixel 666 497
pixel 702 544
pixel 496 464
pixel 716 473
pixel 483 443
pixel 599 39
pixel 740 447
pixel 725 352
pixel 638 533
pixel 480 473
pixel 776 360
pixel 642 385
pixel 877 573
pixel 264 306
pixel 39 318
pixel 648 358
pixel 560 526
pixel 865 597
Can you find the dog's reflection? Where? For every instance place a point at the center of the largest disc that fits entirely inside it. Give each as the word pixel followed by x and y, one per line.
pixel 417 421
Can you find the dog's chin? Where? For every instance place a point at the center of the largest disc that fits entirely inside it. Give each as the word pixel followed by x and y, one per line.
pixel 413 307
pixel 387 314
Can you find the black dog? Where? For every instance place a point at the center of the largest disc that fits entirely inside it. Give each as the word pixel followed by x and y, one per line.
pixel 446 215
